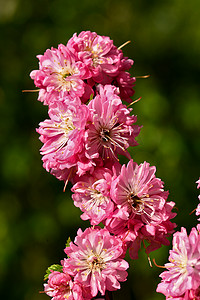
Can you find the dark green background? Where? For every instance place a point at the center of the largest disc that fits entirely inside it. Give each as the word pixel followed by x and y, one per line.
pixel 36 217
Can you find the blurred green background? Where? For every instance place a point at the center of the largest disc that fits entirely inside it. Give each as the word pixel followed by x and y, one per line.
pixel 36 217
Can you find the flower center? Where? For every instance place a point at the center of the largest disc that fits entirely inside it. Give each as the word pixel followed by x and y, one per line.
pixel 109 137
pixel 97 197
pixel 104 134
pixel 68 71
pixel 64 80
pixel 66 74
pixel 68 125
pixel 65 289
pixel 135 202
pixel 95 262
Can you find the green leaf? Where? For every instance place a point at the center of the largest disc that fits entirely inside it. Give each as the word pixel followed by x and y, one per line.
pixel 91 96
pixel 58 268
pixel 68 242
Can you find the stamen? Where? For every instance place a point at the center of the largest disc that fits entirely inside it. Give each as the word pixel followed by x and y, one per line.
pixel 31 91
pixel 163 267
pixel 192 211
pixel 126 235
pixel 134 101
pixel 114 143
pixel 147 255
pixel 144 76
pixel 128 42
pixel 124 188
pixel 149 261
pixel 67 180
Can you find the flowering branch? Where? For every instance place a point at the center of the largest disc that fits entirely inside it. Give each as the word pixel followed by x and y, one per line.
pixel 84 85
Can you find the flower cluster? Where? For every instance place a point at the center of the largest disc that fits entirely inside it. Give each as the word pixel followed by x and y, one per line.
pixel 75 69
pixel 84 85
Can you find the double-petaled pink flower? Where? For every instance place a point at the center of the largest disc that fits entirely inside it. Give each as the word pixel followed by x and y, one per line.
pixel 182 278
pixel 60 286
pixel 141 211
pixel 105 61
pixel 139 193
pixel 59 75
pixel 98 53
pixel 92 195
pixel 96 261
pixel 63 137
pixel 112 129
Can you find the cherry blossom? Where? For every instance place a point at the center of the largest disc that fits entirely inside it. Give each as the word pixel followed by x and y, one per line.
pixel 96 260
pixel 63 136
pixel 105 61
pixel 112 129
pixel 139 193
pixel 59 75
pixel 61 286
pixel 141 208
pixel 92 195
pixel 183 269
pixel 98 53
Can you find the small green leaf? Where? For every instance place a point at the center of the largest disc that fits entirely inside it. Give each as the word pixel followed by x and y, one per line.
pixel 58 268
pixel 68 242
pixel 91 96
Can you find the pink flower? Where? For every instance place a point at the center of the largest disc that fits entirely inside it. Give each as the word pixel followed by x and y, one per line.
pixel 105 61
pixel 98 53
pixel 96 261
pixel 63 137
pixel 133 231
pixel 125 83
pixel 155 235
pixel 59 75
pixel 184 267
pixel 92 195
pixel 112 128
pixel 60 286
pixel 139 193
pixel 141 210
